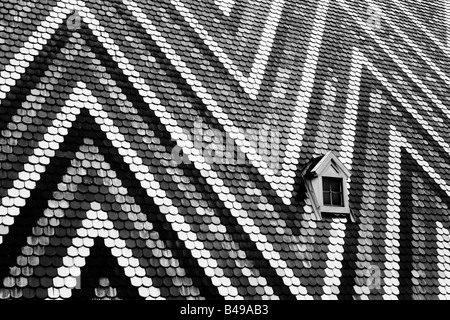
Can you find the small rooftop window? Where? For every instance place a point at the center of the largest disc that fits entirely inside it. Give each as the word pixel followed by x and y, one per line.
pixel 325 179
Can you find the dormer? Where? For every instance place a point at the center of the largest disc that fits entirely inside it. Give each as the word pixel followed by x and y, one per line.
pixel 326 181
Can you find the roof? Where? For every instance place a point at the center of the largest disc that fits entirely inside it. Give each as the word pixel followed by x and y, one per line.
pixel 154 150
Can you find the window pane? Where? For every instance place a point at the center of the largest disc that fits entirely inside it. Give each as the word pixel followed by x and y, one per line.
pixel 326 198
pixel 337 198
pixel 326 182
pixel 335 184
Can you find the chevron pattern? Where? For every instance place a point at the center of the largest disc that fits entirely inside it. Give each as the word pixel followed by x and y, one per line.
pixel 98 97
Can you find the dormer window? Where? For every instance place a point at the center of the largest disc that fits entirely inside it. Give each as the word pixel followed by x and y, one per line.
pixel 332 191
pixel 325 179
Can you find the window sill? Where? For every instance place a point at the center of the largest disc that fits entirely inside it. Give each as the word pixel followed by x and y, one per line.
pixel 334 209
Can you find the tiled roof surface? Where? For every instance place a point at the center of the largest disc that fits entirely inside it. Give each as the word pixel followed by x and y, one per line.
pixel 154 149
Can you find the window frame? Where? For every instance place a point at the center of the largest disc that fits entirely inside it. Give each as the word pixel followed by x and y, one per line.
pixel 340 182
pixel 344 208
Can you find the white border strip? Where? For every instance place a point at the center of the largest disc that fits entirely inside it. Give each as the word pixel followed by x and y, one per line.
pixel 252 83
pixel 73 262
pixel 443 251
pixel 400 62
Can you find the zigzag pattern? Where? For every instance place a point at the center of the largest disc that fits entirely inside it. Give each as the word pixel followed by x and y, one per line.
pixel 96 98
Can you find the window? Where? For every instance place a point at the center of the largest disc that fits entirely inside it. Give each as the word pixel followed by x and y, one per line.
pixel 326 183
pixel 332 191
